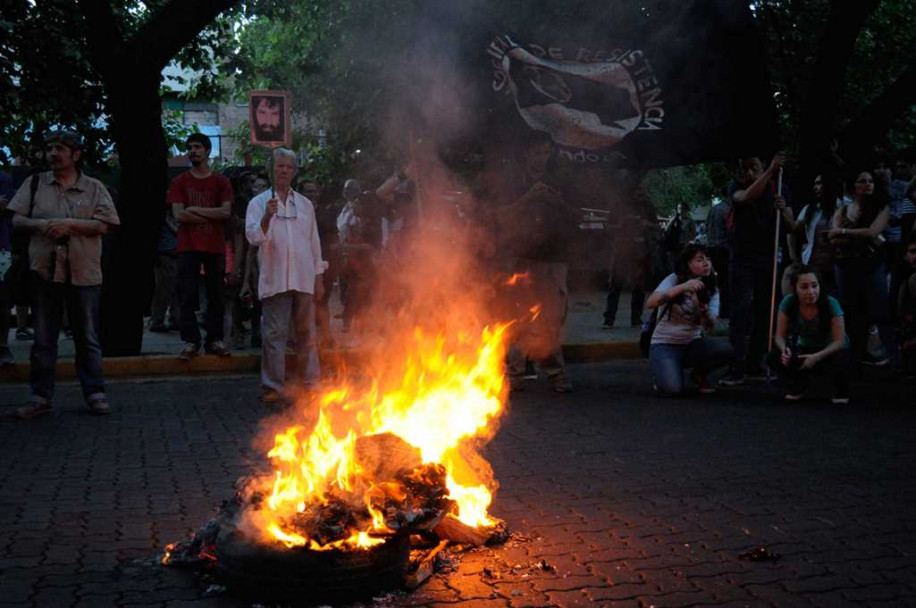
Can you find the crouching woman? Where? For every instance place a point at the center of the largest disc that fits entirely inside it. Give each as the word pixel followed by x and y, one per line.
pixel 688 303
pixel 810 338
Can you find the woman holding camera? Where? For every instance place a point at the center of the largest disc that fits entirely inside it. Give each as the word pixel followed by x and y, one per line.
pixel 810 337
pixel 688 303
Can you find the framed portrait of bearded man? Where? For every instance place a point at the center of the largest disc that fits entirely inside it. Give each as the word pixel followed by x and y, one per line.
pixel 268 116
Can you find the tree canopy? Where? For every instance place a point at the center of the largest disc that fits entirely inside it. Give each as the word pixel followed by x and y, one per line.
pixel 48 77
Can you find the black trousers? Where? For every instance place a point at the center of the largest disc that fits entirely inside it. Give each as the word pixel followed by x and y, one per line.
pixel 836 366
pixel 189 265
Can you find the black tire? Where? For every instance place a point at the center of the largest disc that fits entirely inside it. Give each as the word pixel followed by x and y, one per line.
pixel 305 577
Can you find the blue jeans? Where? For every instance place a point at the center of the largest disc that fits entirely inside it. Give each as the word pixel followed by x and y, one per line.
pixel 82 304
pixel 668 361
pixel 280 312
pixel 862 283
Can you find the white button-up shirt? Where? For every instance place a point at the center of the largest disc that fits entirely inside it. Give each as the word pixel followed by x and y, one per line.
pixel 289 254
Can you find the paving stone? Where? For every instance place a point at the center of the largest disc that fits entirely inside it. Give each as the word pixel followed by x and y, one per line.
pixel 625 490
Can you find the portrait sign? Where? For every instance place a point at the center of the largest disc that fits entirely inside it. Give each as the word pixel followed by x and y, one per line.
pixel 268 116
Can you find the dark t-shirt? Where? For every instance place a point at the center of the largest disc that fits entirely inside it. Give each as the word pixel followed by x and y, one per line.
pixel 6 217
pixel 326 218
pixel 211 192
pixel 542 229
pixel 755 224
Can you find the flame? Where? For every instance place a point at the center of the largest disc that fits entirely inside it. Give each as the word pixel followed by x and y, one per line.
pixel 518 277
pixel 535 311
pixel 445 391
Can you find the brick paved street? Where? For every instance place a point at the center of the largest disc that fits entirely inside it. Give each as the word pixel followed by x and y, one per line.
pixel 618 498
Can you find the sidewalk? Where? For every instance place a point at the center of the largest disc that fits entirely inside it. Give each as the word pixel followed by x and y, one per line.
pixel 585 341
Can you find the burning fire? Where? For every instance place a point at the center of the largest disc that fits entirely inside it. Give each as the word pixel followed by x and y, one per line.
pixel 440 394
pixel 535 311
pixel 517 278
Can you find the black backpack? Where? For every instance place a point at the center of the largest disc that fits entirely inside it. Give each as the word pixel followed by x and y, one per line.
pixel 648 328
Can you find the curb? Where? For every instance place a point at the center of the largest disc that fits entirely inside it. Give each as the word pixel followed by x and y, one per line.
pixel 145 366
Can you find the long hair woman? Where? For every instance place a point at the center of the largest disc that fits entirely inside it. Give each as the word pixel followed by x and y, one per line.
pixel 861 272
pixel 810 337
pixel 688 303
pixel 814 223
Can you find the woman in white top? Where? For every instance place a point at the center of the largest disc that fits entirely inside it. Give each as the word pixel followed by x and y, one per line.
pixel 688 303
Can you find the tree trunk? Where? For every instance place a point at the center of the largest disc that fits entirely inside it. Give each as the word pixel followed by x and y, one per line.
pixel 136 121
pixel 825 86
pixel 130 70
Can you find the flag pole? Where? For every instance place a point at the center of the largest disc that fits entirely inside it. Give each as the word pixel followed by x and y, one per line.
pixel 775 269
pixel 413 162
pixel 273 189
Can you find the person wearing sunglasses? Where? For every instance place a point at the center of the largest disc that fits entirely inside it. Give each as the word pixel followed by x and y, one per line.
pixel 281 223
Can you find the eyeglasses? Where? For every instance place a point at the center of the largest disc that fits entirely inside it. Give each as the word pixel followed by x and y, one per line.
pixel 287 211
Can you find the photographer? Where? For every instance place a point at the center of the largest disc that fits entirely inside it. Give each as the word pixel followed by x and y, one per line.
pixel 810 336
pixel 688 303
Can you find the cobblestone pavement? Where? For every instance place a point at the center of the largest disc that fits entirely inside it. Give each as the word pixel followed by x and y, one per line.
pixel 618 498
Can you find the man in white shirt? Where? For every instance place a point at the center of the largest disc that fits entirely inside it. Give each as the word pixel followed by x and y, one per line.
pixel 281 223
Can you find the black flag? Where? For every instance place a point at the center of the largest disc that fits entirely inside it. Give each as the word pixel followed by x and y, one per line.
pixel 656 83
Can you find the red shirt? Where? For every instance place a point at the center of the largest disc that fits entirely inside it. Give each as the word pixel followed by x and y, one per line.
pixel 211 191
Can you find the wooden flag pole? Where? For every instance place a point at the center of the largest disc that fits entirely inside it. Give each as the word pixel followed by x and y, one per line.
pixel 416 171
pixel 273 189
pixel 775 267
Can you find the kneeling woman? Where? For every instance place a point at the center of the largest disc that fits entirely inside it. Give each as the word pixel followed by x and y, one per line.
pixel 687 303
pixel 810 338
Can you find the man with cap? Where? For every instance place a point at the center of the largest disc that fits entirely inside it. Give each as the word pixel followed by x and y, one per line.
pixel 66 213
pixel 202 202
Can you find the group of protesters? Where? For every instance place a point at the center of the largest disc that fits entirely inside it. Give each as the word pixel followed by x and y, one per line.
pixel 268 248
pixel 829 290
pixel 250 250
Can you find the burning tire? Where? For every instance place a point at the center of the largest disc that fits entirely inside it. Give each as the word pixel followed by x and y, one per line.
pixel 302 576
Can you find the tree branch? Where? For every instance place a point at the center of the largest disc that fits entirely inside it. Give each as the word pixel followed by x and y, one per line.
pixel 172 27
pixel 881 113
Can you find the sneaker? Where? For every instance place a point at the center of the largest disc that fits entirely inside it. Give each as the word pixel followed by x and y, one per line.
pixel 99 406
pixel 6 356
pixel 270 396
pixel 218 348
pixel 158 328
pixel 25 334
pixel 33 409
pixel 875 361
pixel 794 396
pixel 699 380
pixel 561 385
pixel 635 322
pixel 733 378
pixel 759 374
pixel 608 326
pixel 839 400
pixel 189 351
pixel 516 384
